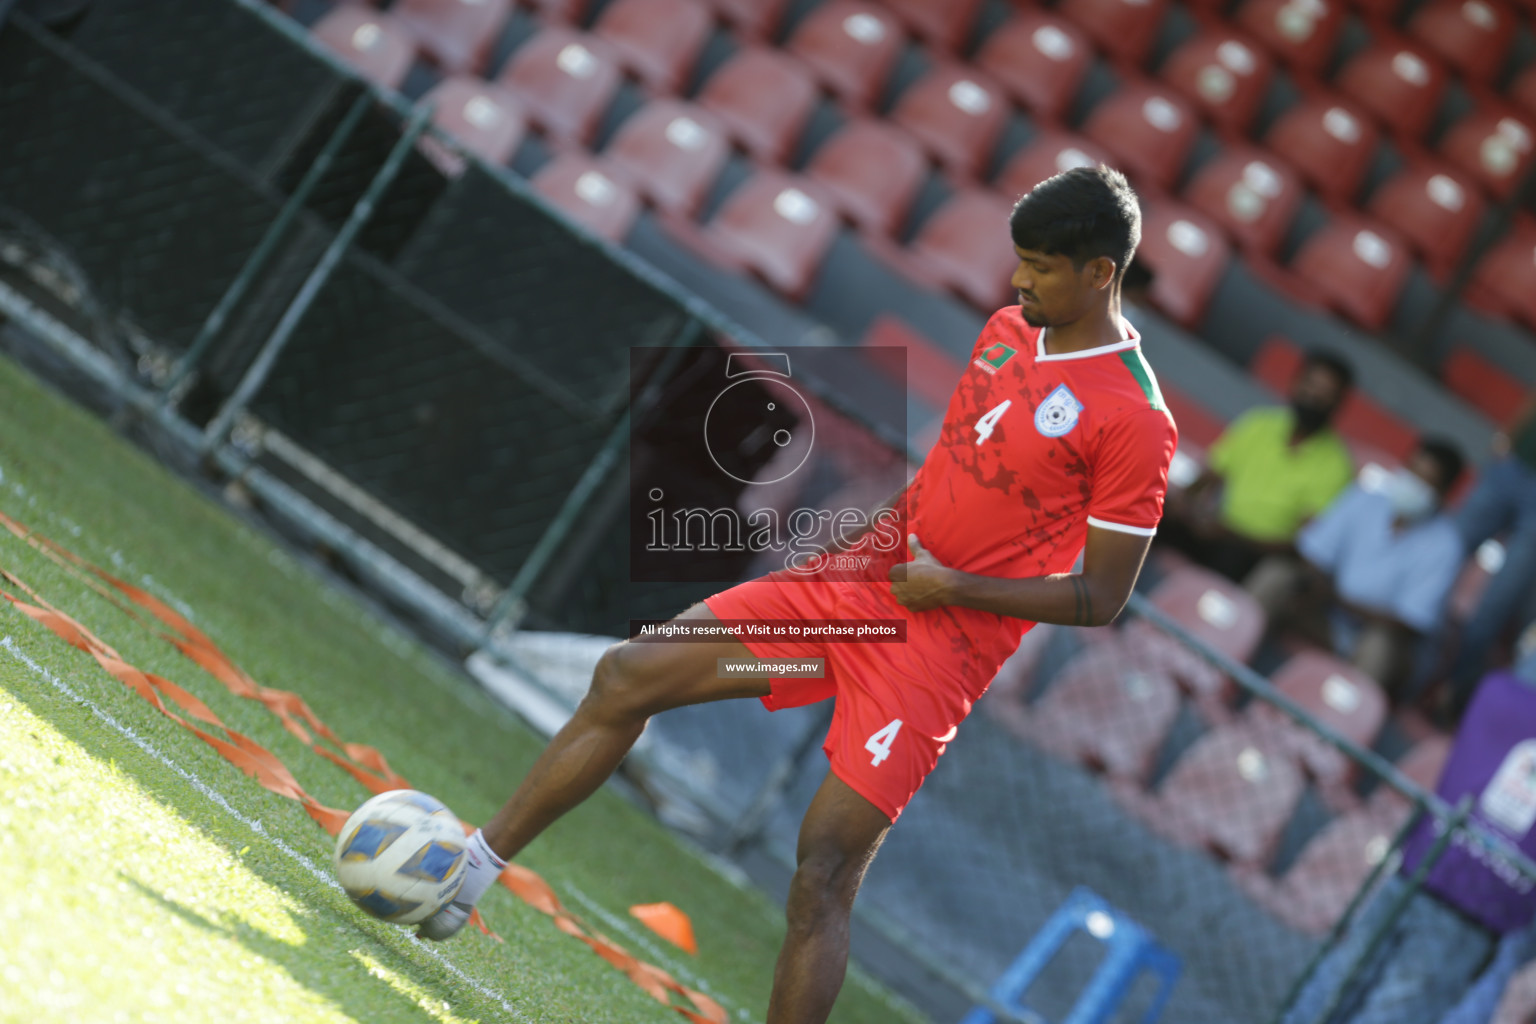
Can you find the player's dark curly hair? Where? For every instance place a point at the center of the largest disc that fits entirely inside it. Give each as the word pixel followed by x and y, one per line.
pixel 1082 214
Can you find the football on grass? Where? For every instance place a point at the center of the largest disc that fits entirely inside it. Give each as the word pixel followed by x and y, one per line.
pixel 401 856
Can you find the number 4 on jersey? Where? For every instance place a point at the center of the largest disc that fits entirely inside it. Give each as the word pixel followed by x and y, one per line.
pixel 880 743
pixel 986 423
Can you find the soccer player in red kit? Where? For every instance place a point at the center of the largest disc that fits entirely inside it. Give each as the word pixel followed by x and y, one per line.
pixel 1056 442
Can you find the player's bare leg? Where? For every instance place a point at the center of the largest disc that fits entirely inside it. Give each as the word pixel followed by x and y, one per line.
pixel 633 681
pixel 838 839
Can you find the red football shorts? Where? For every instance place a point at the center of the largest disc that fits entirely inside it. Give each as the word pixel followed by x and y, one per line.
pixel 898 704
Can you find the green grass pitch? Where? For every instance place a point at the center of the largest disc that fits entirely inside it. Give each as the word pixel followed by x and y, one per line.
pixel 148 879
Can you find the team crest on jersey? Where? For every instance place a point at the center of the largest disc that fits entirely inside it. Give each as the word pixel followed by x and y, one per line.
pixel 994 356
pixel 1057 415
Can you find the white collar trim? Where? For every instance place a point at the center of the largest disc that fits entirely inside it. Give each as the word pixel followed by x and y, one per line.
pixel 1133 338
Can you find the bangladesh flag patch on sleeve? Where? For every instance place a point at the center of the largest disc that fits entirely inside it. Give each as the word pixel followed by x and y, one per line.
pixel 994 356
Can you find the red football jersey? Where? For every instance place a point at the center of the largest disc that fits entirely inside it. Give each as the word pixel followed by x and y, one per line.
pixel 1034 449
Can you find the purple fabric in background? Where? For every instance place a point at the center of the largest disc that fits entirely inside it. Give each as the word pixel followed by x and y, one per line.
pixel 1494 759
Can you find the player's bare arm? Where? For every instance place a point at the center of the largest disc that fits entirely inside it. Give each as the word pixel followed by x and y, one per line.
pixel 1094 597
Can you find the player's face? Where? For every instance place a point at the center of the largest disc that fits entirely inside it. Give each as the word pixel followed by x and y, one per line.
pixel 1051 290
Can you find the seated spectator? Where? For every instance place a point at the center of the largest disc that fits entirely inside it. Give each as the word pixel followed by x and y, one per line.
pixel 1271 471
pixel 1504 501
pixel 1372 573
pixel 1417 968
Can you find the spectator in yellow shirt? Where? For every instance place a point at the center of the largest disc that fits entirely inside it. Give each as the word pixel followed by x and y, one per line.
pixel 1271 471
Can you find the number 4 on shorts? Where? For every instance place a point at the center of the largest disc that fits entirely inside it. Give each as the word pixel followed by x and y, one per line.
pixel 880 743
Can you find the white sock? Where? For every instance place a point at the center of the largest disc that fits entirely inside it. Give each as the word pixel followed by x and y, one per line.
pixel 482 867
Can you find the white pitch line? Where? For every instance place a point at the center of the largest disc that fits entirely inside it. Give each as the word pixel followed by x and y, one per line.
pixel 253 824
pixel 617 923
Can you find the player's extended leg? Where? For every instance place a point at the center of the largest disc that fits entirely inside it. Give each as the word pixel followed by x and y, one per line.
pixel 838 839
pixel 632 681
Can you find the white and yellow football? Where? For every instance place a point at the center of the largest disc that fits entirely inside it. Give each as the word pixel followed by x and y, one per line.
pixel 401 856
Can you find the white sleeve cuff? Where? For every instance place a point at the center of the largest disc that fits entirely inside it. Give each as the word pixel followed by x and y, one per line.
pixel 1140 531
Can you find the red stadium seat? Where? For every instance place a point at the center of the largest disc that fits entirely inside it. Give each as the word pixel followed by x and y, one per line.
pixel 1504 280
pixel 1329 142
pixel 1368 426
pixel 487 119
pixel 961 248
pixel 1358 269
pixel 1149 129
pixel 591 196
pixel 1048 154
pixel 1472 36
pixel 657 40
pixel 1397 81
pixel 1329 871
pixel 1302 33
pixel 1213 608
pixel 567 79
pixel 1339 696
pixel 1107 711
pixel 776 225
pixel 764 98
pixel 1123 29
pixel 754 19
pixel 1186 253
pixel 1494 144
pixel 1483 385
pixel 946 24
pixel 564 12
pixel 1276 363
pixel 1422 765
pixel 1253 196
pixel 457 34
pixel 1230 793
pixel 1223 75
pixel 1040 58
pixel 851 46
pixel 671 152
pixel 929 371
pixel 957 114
pixel 379 47
pixel 1435 209
pixel 1378 12
pixel 872 172
pixel 1218 612
pixel 1522 90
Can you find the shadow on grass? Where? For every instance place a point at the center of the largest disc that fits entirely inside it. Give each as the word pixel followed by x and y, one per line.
pixel 360 992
